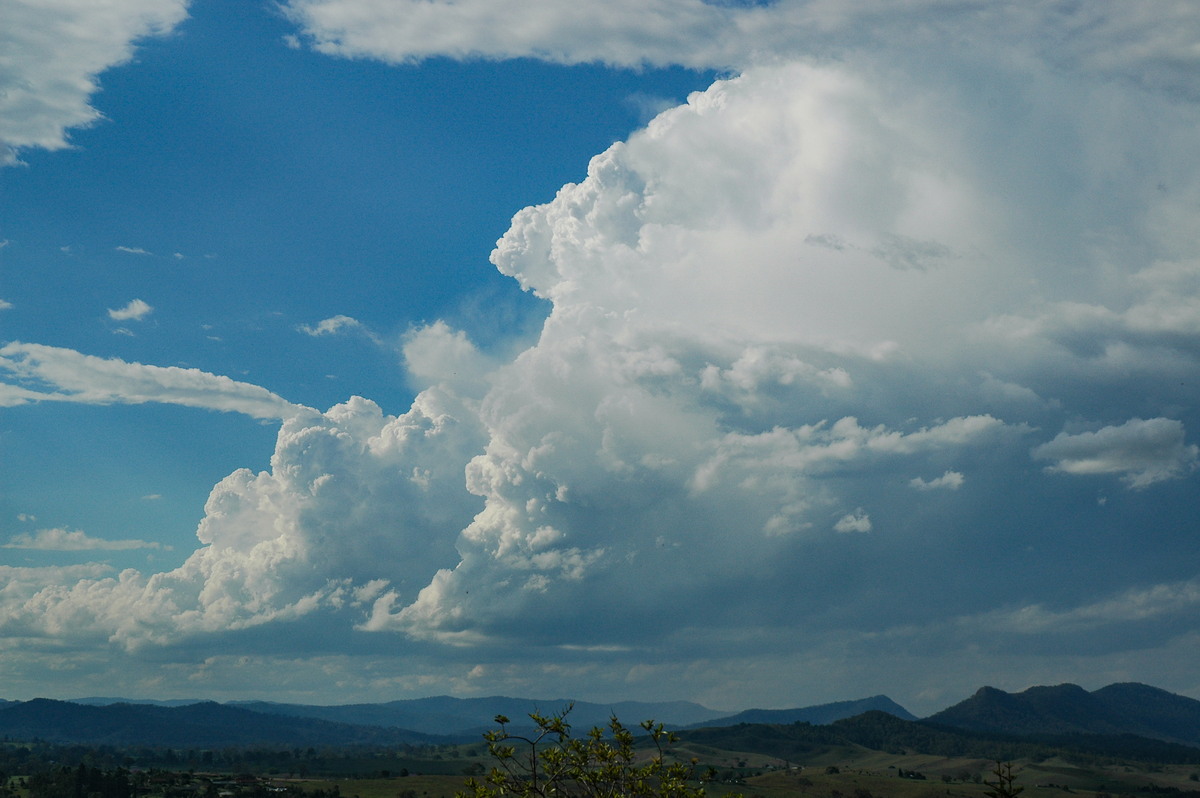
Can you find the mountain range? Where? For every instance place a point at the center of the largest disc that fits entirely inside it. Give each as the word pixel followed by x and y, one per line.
pixel 1126 708
pixel 470 717
pixel 820 715
pixel 1038 713
pixel 201 725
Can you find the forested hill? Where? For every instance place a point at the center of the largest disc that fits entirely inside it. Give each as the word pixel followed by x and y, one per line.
pixel 1069 709
pixel 881 731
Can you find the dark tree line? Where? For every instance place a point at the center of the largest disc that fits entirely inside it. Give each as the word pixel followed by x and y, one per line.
pixel 81 782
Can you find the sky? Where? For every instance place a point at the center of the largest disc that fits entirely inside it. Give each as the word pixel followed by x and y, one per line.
pixel 759 354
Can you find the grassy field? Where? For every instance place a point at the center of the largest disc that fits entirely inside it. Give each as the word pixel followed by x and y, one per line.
pixel 833 771
pixel 848 773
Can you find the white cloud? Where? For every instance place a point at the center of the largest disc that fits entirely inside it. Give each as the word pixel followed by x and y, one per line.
pixel 1153 47
pixel 331 326
pixel 776 303
pixel 64 375
pixel 438 354
pixel 55 50
pixel 351 493
pixel 1134 605
pixel 1141 451
pixel 133 250
pixel 339 325
pixel 59 539
pixel 857 521
pixel 23 582
pixel 626 32
pixel 136 310
pixel 951 480
pixel 5 304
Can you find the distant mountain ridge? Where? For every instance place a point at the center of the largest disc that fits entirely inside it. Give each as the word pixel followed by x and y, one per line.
pixel 820 715
pixel 101 701
pixel 1120 717
pixel 470 717
pixel 1125 708
pixel 206 724
pixel 459 717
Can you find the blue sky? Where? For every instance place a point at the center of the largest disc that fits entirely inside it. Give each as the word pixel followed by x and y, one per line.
pixel 755 354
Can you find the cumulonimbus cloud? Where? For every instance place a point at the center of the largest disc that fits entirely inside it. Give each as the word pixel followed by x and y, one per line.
pixel 709 383
pixel 769 309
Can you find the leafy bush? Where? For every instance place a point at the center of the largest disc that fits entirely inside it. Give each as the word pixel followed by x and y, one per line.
pixel 603 764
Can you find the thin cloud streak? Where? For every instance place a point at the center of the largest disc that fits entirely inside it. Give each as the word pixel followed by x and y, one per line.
pixel 64 375
pixel 59 539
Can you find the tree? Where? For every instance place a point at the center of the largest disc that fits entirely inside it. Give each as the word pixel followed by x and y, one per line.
pixel 603 764
pixel 1003 786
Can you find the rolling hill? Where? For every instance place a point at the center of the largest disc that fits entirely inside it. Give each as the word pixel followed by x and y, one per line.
pixel 821 714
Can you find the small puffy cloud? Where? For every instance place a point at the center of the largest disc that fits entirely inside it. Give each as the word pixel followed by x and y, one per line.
pixel 55 51
pixel 59 539
pixel 331 326
pixel 1141 451
pixel 54 374
pixel 5 304
pixel 136 310
pixel 951 480
pixel 339 325
pixel 133 250
pixel 857 521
